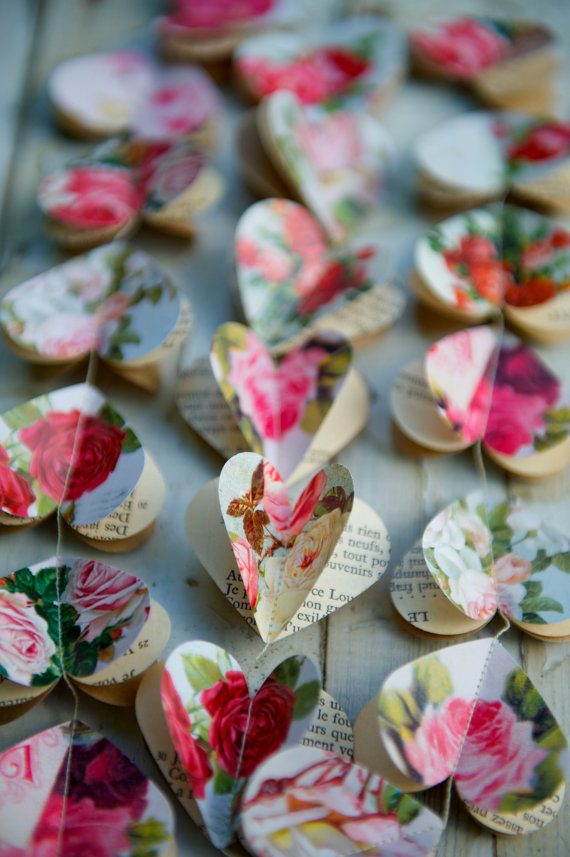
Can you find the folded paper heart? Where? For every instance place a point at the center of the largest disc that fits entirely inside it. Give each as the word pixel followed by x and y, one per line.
pixel 115 300
pixel 292 280
pixel 470 712
pixel 123 181
pixel 479 388
pixel 355 62
pixel 80 619
pixel 333 161
pixel 305 801
pixel 486 557
pixel 70 451
pixel 291 565
pixel 472 264
pixel 300 408
pixel 506 63
pixel 505 151
pixel 69 790
pixel 104 94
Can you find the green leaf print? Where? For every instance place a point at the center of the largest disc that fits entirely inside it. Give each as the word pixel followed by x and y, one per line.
pixel 201 672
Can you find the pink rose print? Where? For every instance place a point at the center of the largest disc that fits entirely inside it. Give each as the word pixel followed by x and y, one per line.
pixel 274 263
pixel 247 567
pixel 91 197
pixel 305 505
pixel 514 420
pixel 511 568
pixel 303 234
pixel 275 498
pixel 67 335
pixel 332 143
pixel 114 307
pixel 472 422
pixel 462 47
pixel 498 757
pixel 520 369
pixel 246 252
pixel 26 648
pixel 475 592
pixel 215 14
pixel 434 748
pixel 89 830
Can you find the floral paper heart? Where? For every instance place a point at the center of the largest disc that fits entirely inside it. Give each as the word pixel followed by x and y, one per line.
pixel 501 255
pixel 502 557
pixel 121 181
pixel 115 300
pixel 70 789
pixel 279 404
pixel 290 278
pixel 117 91
pixel 335 160
pixel 281 550
pixel 221 733
pixel 356 61
pixel 305 801
pixel 471 712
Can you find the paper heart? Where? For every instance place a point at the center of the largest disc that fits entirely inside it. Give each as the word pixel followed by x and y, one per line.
pixel 279 403
pixel 69 450
pixel 71 789
pixel 335 160
pixel 291 279
pixel 477 156
pixel 304 801
pixel 500 556
pixel 121 181
pixel 359 560
pixel 469 711
pixel 115 300
pixel 221 733
pixel 281 550
pixel 113 92
pixel 472 263
pixel 355 61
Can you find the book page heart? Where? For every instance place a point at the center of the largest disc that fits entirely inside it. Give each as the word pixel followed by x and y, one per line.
pixel 291 279
pixel 70 787
pixel 357 61
pixel 279 403
pixel 222 733
pixel 358 561
pixel 70 451
pixel 80 618
pixel 473 263
pixel 114 300
pixel 469 711
pixel 123 181
pixel 303 801
pixel 477 157
pixel 113 92
pixel 334 161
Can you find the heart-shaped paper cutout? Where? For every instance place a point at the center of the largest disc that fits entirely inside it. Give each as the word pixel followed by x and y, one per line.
pixel 291 279
pixel 335 160
pixel 117 91
pixel 478 156
pixel 115 300
pixel 306 801
pixel 221 733
pixel 473 262
pixel 70 789
pixel 279 404
pixel 356 61
pixel 281 550
pixel 359 560
pixel 501 556
pixel 471 712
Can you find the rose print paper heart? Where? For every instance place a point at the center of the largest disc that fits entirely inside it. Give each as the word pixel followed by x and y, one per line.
pixel 333 160
pixel 473 263
pixel 359 560
pixel 114 300
pixel 279 403
pixel 221 733
pixel 487 726
pixel 281 550
pixel 69 450
pixel 290 278
pixel 104 94
pixel 70 788
pixel 74 617
pixel 305 800
pixel 356 62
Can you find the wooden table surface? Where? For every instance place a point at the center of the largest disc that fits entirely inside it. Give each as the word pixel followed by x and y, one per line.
pixel 358 646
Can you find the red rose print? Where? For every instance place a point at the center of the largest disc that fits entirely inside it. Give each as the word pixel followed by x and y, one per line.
pixel 91 196
pixel 532 292
pixel 263 721
pixel 193 757
pixel 16 496
pixel 520 369
pixel 463 46
pixel 88 831
pixel 57 449
pixel 542 142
